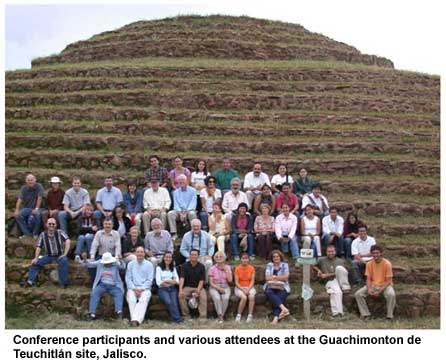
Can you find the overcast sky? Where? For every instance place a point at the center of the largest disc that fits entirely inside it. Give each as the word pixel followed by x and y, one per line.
pixel 409 33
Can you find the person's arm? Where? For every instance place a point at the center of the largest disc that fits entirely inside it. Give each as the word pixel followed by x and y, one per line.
pixel 302 227
pixel 296 204
pixel 237 282
pixel 38 249
pixel 184 248
pixel 203 203
pixel 318 227
pixel 211 282
pixel 269 273
pixel 340 228
pixel 118 253
pixel 17 207
pixel 256 225
pixel 67 247
pixel 167 201
pixel 148 283
pixel 181 286
pixel 129 278
pixel 256 205
pixel 211 247
pixel 200 286
pixel 225 203
pixel 192 205
pixel 94 245
pixel 293 229
pixel 286 274
pixel 278 228
pixel 273 203
pixel 38 202
pixel 229 276
pixel 369 286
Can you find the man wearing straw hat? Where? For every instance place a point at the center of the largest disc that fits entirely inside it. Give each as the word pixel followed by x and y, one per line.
pixel 54 201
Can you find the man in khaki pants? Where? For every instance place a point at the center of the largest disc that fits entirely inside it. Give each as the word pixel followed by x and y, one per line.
pixel 192 278
pixel 379 280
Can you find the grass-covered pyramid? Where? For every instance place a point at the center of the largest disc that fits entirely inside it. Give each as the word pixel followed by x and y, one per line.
pixel 251 89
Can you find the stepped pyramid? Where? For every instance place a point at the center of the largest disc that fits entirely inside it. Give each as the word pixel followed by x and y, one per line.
pixel 250 89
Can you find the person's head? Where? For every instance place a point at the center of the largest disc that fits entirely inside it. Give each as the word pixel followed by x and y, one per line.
pixel 333 212
pixel 30 180
pixel 303 173
pixel 282 169
pixel 51 225
pixel 362 232
pixel 156 225
pixel 178 162
pixel 286 188
pixel 265 209
pixel 331 251
pixel 194 255
pixel 131 186
pixel 108 182
pixel 88 209
pixel 154 184
pixel 317 189
pixel 220 257
pixel 76 183
pixel 182 180
pixel 235 184
pixel 55 183
pixel 277 256
pixel 154 161
pixel 195 226
pixel 285 208
pixel 257 169
pixel 140 253
pixel 309 210
pixel 352 218
pixel 226 164
pixel 210 181
pixel 108 224
pixel 167 263
pixel 266 190
pixel 118 212
pixel 134 232
pixel 377 252
pixel 216 207
pixel 201 166
pixel 244 258
pixel 242 209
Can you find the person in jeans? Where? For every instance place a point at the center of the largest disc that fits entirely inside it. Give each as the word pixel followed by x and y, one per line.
pixel 157 243
pixel 107 280
pixel 86 228
pixel 138 278
pixel 57 246
pixel 244 276
pixel 264 230
pixel 379 281
pixel 167 281
pixel 361 251
pixel 241 232
pixel 130 244
pixel 277 287
pixel 310 227
pixel 285 227
pixel 54 198
pixel 331 270
pixel 74 202
pixel 192 278
pixel 133 204
pixel 28 217
pixel 332 230
pixel 220 277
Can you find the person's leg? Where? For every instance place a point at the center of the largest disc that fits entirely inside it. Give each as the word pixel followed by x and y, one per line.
pixel 118 297
pixel 183 298
pixel 335 292
pixel 131 301
pixel 191 215
pixel 251 196
pixel 275 300
pixel 80 245
pixel 389 295
pixel 306 242
pixel 172 217
pixel 234 244
pixel 138 219
pixel 63 218
pixel 203 216
pixel 37 222
pixel 35 268
pixel 95 297
pixel 99 217
pixel 325 239
pixel 342 278
pixel 163 218
pixel 202 304
pixel 284 246
pixel 356 272
pixel 141 306
pixel 146 222
pixel 225 300
pixel 221 243
pixel 22 220
pixel 217 299
pixel 339 244
pixel 360 296
pixel 250 245
pixel 175 309
pixel 317 243
pixel 261 246
pixel 348 248
pixel 242 303
pixel 88 241
pixel 294 247
pixel 282 294
pixel 44 217
pixel 62 269
pixel 252 300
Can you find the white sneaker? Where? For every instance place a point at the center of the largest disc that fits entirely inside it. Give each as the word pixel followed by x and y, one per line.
pixel 77 259
pixel 238 318
pixel 174 236
pixel 250 318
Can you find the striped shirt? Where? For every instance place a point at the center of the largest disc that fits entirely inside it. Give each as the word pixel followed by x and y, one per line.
pixel 54 245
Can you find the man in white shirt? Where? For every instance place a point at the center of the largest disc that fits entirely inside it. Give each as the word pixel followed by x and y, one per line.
pixel 156 203
pixel 361 254
pixel 233 198
pixel 254 181
pixel 317 200
pixel 332 230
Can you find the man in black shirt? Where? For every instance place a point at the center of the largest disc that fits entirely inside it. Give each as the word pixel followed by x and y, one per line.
pixel 192 278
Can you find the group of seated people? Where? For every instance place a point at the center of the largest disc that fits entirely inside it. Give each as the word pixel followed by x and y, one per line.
pixel 268 218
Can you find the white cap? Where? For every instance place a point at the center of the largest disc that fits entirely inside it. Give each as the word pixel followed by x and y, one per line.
pixel 55 180
pixel 107 258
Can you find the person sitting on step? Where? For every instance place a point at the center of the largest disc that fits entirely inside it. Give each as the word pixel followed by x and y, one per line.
pixel 241 232
pixel 244 276
pixel 361 251
pixel 317 200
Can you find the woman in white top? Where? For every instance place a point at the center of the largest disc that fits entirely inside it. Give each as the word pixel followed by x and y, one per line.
pixel 208 196
pixel 218 227
pixel 310 227
pixel 280 178
pixel 167 281
pixel 198 176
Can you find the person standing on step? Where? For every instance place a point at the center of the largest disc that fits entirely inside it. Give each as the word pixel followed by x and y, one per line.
pixel 157 243
pixel 29 216
pixel 379 281
pixel 156 203
pixel 332 230
pixel 107 198
pixel 332 271
pixel 361 251
pixel 133 204
pixel 74 202
pixel 191 289
pixel 54 201
pixel 254 182
pixel 184 206
pixel 225 175
pixel 57 245
pixel 244 276
pixel 138 278
pixel 220 277
pixel 107 280
pixel 317 200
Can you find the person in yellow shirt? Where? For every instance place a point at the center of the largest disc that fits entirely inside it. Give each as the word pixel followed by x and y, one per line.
pixel 379 281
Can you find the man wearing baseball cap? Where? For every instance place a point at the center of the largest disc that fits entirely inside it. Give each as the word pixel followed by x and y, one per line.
pixel 54 200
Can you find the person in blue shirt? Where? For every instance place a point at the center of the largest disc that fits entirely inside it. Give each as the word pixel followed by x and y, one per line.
pixel 133 204
pixel 139 277
pixel 107 198
pixel 184 206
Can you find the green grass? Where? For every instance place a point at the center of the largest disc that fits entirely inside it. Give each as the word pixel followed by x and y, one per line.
pixel 410 240
pixel 387 197
pixel 400 220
